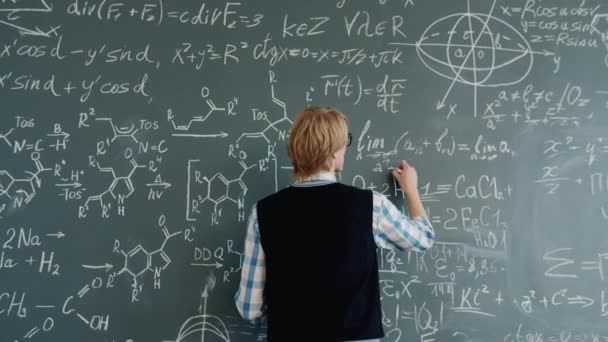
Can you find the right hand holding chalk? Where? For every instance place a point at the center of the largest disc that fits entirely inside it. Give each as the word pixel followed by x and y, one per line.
pixel 406 176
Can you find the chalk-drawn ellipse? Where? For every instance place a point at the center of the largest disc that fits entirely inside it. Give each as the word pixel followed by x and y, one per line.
pixel 499 55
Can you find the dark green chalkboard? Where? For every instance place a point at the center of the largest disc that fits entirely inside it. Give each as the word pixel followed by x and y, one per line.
pixel 136 136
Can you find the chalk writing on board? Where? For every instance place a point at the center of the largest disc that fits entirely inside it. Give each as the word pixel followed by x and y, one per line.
pixel 479 50
pixel 135 138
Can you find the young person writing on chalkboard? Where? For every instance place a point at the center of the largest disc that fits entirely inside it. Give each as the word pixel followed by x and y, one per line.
pixel 310 249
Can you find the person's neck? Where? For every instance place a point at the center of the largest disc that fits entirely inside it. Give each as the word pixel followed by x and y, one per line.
pixel 317 174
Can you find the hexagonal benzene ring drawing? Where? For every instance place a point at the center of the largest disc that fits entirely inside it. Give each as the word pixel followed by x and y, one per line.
pixel 216 190
pixel 119 190
pixel 20 191
pixel 475 49
pixel 138 261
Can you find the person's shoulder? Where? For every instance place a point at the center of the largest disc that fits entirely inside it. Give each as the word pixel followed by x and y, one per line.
pixel 379 196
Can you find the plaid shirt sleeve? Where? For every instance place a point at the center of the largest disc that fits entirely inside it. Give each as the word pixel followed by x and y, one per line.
pixel 394 230
pixel 249 298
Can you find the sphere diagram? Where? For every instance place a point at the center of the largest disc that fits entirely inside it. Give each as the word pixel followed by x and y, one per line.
pixel 475 49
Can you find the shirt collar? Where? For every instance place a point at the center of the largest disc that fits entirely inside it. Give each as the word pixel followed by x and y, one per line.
pixel 318 178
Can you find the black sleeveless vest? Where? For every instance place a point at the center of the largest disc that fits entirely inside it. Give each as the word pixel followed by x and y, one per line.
pixel 321 265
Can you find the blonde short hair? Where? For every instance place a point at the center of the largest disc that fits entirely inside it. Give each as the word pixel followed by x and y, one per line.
pixel 316 133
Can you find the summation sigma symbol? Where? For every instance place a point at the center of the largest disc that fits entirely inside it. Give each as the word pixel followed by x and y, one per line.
pixel 476 49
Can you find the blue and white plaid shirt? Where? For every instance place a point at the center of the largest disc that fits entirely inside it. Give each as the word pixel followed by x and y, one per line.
pixel 392 230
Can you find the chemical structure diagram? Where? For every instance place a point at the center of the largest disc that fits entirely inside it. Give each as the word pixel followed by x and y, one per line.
pixel 120 189
pixel 120 131
pixel 183 130
pixel 138 261
pixel 21 190
pixel 129 132
pixel 280 126
pixel 259 147
pixel 4 136
pixel 215 190
pixel 122 185
pixel 61 139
